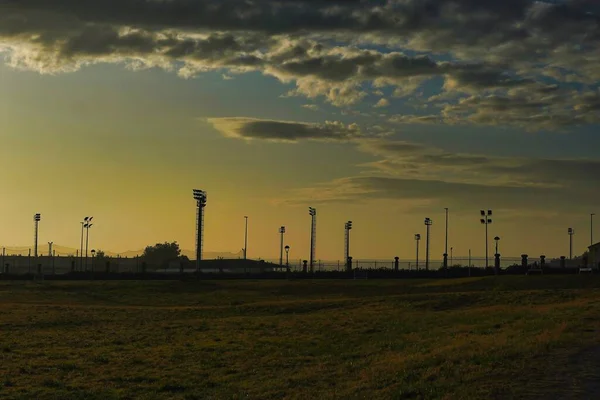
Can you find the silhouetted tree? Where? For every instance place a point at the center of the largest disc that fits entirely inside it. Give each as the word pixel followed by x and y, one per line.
pixel 161 254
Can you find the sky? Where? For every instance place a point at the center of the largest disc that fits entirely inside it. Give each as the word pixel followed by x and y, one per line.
pixel 379 112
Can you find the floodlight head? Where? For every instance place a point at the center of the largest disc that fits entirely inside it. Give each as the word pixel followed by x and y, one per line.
pixel 570 231
pixel 37 217
pixel 497 238
pixel 482 213
pixel 312 211
pixel 489 212
pixel 86 218
pixel 482 221
pixel 90 225
pixel 91 218
pixel 287 248
pixel 282 229
pixel 349 225
pixel 428 221
pixel 417 236
pixel 489 221
pixel 199 195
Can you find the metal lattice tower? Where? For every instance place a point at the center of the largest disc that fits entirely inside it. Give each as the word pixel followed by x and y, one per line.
pixel 200 197
pixel 313 236
pixel 347 228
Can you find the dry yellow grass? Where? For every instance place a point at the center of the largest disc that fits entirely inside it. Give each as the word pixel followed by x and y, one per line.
pixel 467 338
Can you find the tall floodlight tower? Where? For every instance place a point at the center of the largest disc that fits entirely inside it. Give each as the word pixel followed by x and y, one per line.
pixel 36 220
pixel 571 232
pixel 313 235
pixel 83 225
pixel 200 197
pixel 347 228
pixel 281 232
pixel 446 242
pixel 417 239
pixel 246 239
pixel 486 220
pixel 87 227
pixel 592 229
pixel 428 223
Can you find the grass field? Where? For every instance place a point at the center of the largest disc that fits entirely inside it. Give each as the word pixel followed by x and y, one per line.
pixel 493 337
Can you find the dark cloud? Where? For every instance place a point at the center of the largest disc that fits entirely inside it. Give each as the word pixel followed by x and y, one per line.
pixel 496 47
pixel 286 131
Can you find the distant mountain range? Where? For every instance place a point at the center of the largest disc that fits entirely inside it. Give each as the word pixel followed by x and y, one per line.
pixel 70 251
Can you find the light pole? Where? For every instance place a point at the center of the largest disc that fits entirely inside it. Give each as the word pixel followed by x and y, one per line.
pixel 50 249
pixel 497 239
pixel 428 223
pixel 313 235
pixel 87 226
pixel 592 229
pixel 36 219
pixel 486 220
pixel 246 239
pixel 571 232
pixel 200 197
pixel 451 256
pixel 417 239
pixel 85 220
pixel 281 232
pixel 446 242
pixel 347 228
pixel 287 257
pixel 93 258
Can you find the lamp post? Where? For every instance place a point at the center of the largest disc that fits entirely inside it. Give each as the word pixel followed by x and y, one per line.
pixel 446 242
pixel 287 257
pixel 281 232
pixel 486 220
pixel 428 223
pixel 571 232
pixel 246 239
pixel 87 227
pixel 50 249
pixel 85 220
pixel 200 197
pixel 417 239
pixel 497 239
pixel 36 219
pixel 451 256
pixel 592 229
pixel 347 228
pixel 313 236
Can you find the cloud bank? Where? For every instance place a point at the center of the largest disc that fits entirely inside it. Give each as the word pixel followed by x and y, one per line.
pixel 499 62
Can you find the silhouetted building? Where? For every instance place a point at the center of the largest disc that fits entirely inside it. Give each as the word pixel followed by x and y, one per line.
pixel 594 255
